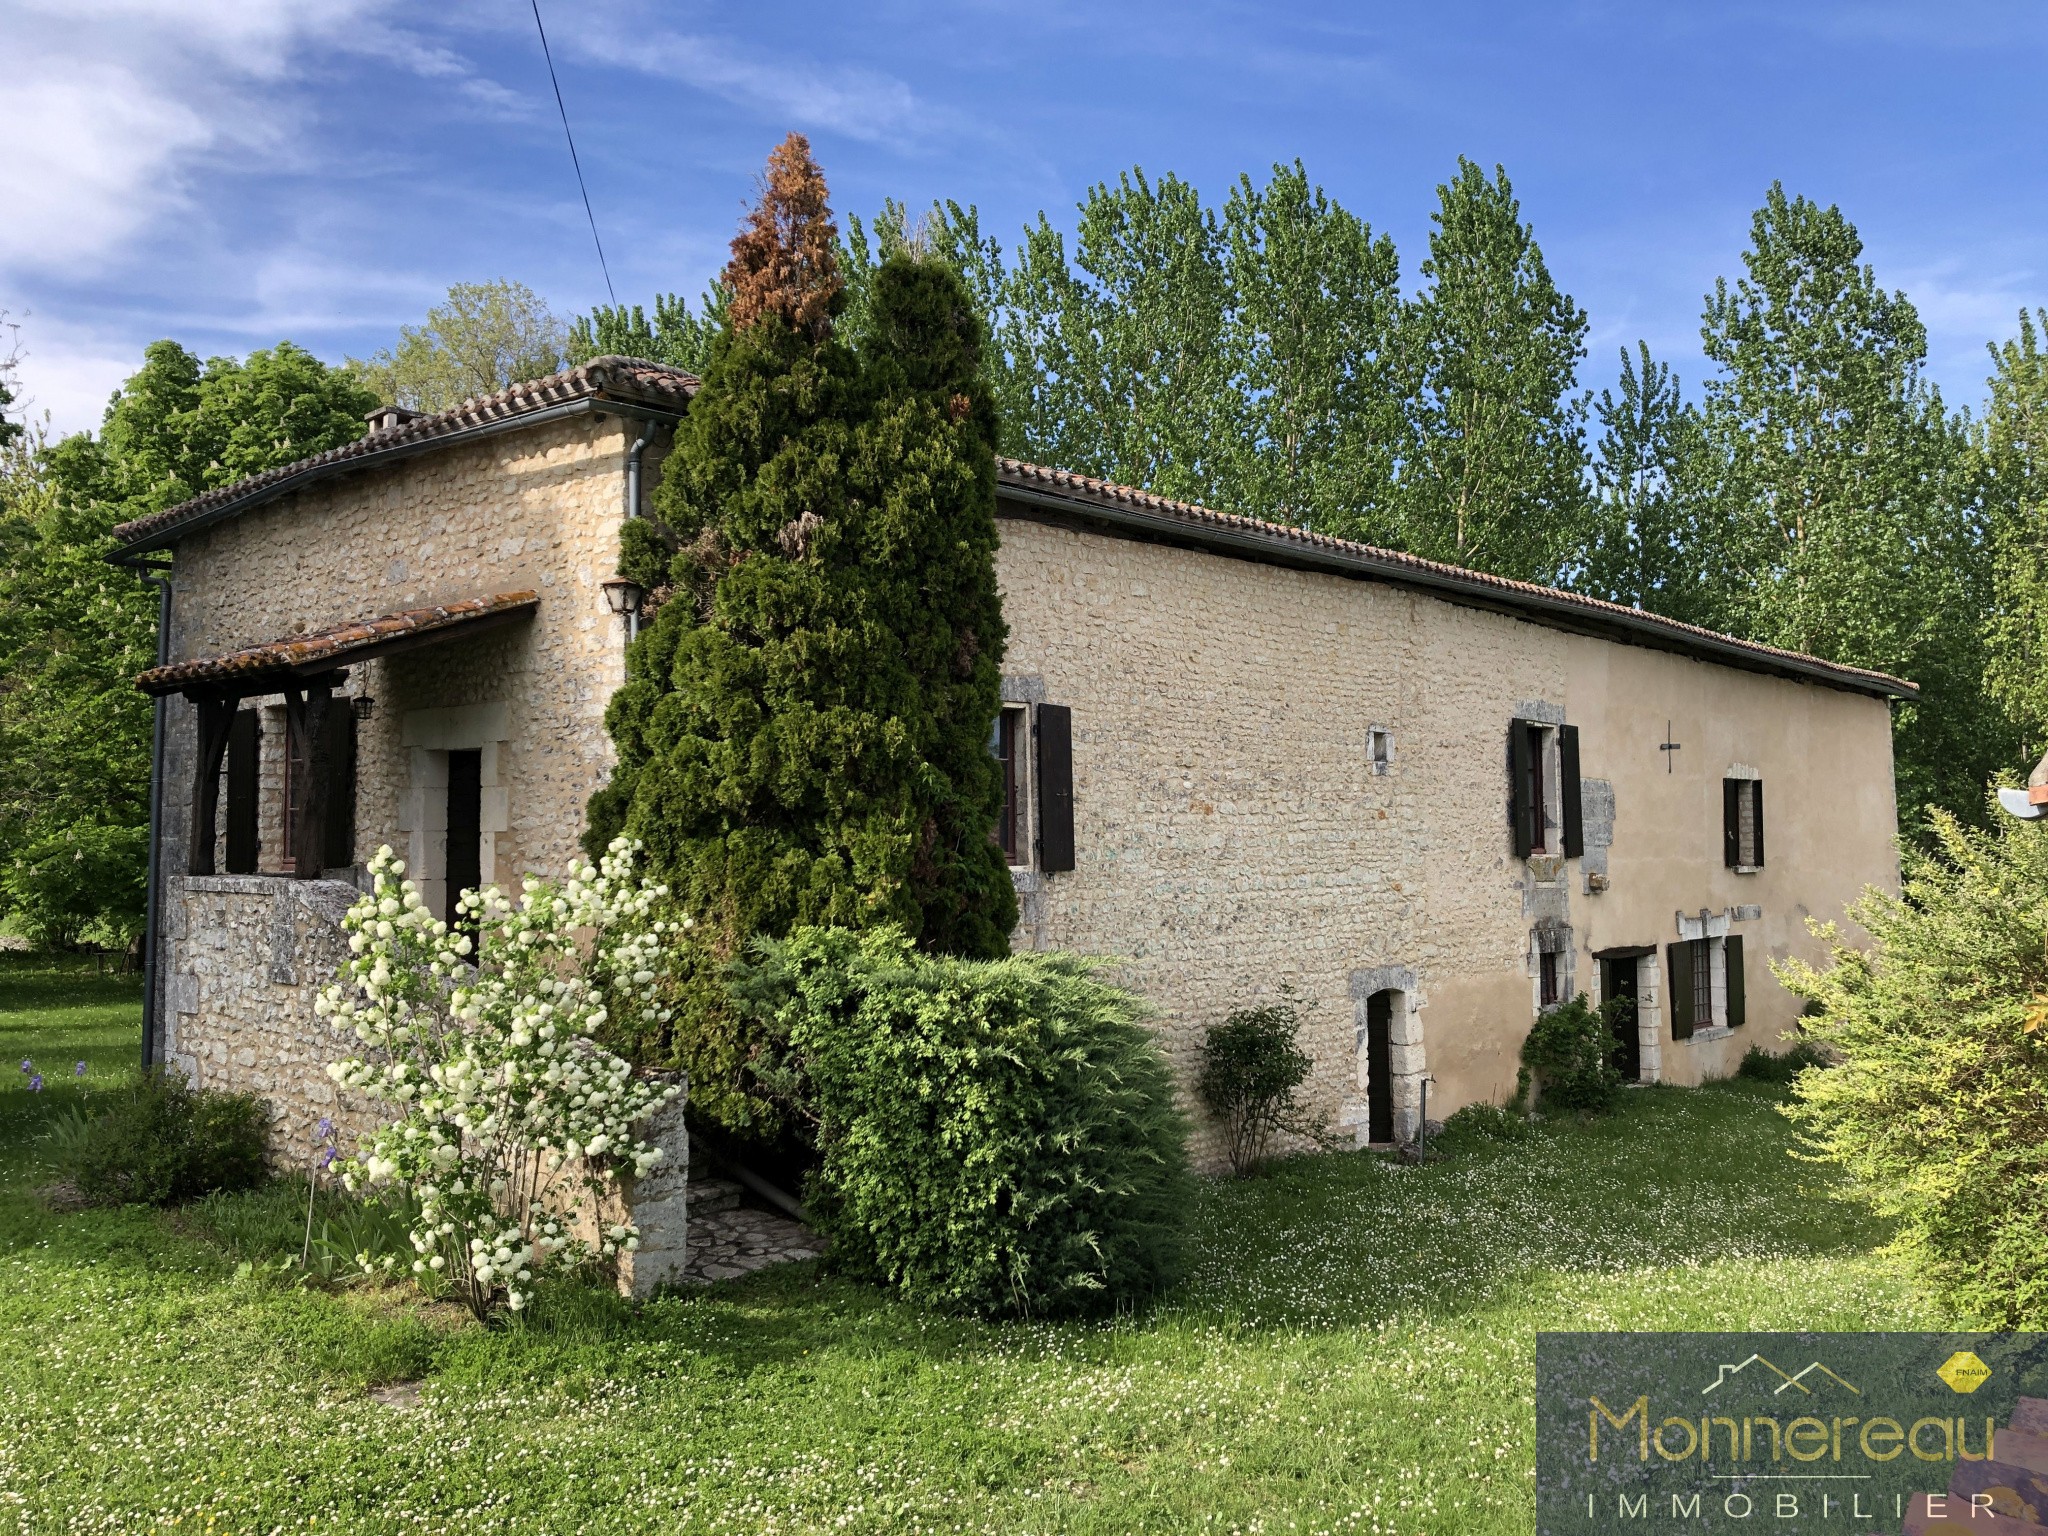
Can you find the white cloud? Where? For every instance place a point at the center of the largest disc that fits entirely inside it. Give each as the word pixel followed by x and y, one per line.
pixel 116 103
pixel 860 103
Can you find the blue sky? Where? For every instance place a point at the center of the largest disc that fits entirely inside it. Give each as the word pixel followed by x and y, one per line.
pixel 235 171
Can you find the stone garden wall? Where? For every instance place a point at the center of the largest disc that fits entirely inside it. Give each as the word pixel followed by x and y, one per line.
pixel 246 956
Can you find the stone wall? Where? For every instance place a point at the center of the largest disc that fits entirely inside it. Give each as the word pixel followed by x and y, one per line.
pixel 246 957
pixel 535 508
pixel 1234 830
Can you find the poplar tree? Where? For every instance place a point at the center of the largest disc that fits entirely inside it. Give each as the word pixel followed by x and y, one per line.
pixel 1650 545
pixel 1851 505
pixel 803 735
pixel 1497 477
pixel 1315 425
pixel 2013 450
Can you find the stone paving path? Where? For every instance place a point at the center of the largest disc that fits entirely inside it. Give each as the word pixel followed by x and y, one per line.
pixel 728 1240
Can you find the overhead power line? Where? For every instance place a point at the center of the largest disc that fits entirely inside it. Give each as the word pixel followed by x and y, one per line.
pixel 602 264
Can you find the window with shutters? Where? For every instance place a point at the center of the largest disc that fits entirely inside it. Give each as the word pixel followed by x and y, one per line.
pixel 1742 824
pixel 1006 742
pixel 1706 985
pixel 1544 809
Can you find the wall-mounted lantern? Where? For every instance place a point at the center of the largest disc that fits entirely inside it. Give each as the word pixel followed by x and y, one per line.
pixel 623 595
pixel 2031 803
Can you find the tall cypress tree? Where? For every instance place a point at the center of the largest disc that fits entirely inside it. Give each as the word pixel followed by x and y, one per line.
pixel 803 735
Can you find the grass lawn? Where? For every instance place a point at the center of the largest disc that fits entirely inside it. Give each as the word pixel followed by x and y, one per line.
pixel 1354 1351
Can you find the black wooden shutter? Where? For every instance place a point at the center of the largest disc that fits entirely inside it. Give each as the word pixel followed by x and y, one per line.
pixel 1756 787
pixel 1738 1001
pixel 1520 814
pixel 1731 822
pixel 1568 788
pixel 340 755
pixel 1054 730
pixel 243 765
pixel 1678 987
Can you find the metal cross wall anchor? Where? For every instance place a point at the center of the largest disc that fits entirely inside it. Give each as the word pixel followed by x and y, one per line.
pixel 1669 746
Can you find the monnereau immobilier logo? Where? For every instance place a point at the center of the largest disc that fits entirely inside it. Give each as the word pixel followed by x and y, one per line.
pixel 1847 1433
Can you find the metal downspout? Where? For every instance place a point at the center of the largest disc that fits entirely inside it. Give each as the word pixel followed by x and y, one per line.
pixel 633 506
pixel 153 909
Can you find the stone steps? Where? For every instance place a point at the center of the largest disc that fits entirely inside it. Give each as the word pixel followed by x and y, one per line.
pixel 709 1195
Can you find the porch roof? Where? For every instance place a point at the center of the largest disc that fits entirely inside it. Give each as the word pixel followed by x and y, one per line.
pixel 278 663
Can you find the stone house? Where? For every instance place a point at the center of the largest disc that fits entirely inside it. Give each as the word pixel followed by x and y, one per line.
pixel 1238 755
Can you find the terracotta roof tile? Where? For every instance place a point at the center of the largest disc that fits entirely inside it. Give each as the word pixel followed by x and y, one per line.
pixel 305 655
pixel 602 378
pixel 1394 565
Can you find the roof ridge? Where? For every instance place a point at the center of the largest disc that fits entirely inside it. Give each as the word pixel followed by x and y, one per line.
pixel 1111 491
pixel 598 377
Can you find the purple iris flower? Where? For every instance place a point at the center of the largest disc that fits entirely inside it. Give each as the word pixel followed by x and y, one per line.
pixel 79 1070
pixel 325 1129
pixel 35 1083
pixel 27 1065
pixel 327 1158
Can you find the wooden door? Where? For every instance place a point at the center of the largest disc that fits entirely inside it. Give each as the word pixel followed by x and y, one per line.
pixel 1379 1067
pixel 1618 981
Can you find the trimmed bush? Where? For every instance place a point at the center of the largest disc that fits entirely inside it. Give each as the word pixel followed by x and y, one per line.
pixel 1567 1050
pixel 1252 1064
pixel 1760 1065
pixel 157 1141
pixel 995 1136
pixel 1479 1125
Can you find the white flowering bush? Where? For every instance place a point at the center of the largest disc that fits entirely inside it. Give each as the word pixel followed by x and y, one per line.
pixel 512 1120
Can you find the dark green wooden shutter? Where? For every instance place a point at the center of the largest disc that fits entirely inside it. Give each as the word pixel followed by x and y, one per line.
pixel 1678 988
pixel 1054 731
pixel 1738 1002
pixel 1756 787
pixel 1731 822
pixel 1568 790
pixel 1520 815
pixel 244 754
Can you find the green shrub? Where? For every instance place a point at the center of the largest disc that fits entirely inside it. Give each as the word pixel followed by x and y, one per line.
pixel 1567 1051
pixel 157 1141
pixel 1938 1108
pixel 1764 1066
pixel 996 1136
pixel 1252 1065
pixel 1479 1125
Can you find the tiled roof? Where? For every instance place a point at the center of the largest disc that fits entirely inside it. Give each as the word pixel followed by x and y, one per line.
pixel 624 379
pixel 1545 604
pixel 308 655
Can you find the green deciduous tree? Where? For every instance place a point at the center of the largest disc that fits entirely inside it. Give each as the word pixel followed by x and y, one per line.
pixel 2013 449
pixel 481 338
pixel 1121 351
pixel 1650 547
pixel 803 736
pixel 678 335
pixel 1497 476
pixel 1851 506
pixel 74 631
pixel 1314 420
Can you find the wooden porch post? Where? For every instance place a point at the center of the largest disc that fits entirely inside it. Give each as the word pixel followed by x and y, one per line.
pixel 305 709
pixel 216 716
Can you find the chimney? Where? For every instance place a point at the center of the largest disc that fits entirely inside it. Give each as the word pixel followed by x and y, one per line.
pixel 386 417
